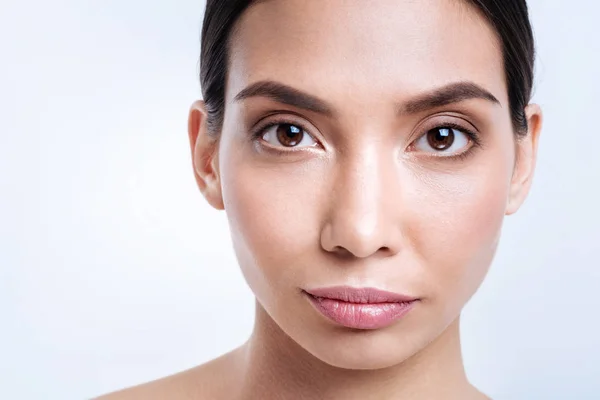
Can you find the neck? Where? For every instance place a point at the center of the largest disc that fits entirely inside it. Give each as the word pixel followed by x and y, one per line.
pixel 277 367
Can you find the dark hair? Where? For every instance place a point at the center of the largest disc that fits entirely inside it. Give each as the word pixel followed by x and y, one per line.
pixel 510 19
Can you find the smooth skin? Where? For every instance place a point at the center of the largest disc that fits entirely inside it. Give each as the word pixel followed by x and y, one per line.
pixel 360 197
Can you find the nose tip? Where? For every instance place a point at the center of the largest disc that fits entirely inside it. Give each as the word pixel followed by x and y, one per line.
pixel 362 212
pixel 358 238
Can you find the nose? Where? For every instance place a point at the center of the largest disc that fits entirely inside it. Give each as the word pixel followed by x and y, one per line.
pixel 362 219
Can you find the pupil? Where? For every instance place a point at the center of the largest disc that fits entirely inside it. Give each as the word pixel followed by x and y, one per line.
pixel 440 138
pixel 289 135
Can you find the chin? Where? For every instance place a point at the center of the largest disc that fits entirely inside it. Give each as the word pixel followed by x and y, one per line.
pixel 362 350
pixel 372 362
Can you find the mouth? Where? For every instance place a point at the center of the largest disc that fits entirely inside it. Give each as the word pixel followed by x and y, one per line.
pixel 360 308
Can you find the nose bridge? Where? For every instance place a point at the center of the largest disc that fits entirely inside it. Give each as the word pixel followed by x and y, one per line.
pixel 360 220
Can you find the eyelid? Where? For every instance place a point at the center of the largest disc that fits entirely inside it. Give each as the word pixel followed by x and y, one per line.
pixel 275 119
pixel 445 121
pixel 433 122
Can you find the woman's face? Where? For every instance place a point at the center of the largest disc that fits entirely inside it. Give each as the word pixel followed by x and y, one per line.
pixel 366 146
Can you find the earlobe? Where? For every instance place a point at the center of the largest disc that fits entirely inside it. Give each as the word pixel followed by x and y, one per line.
pixel 204 149
pixel 526 157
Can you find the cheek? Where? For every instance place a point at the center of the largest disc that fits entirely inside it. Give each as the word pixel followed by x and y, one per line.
pixel 456 231
pixel 274 223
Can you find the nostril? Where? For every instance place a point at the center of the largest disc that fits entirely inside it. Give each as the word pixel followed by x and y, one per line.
pixel 345 253
pixel 386 250
pixel 342 251
pixel 354 241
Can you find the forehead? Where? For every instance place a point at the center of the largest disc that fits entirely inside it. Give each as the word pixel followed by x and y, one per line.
pixel 365 49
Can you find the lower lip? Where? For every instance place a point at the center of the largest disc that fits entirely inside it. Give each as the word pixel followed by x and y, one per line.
pixel 361 316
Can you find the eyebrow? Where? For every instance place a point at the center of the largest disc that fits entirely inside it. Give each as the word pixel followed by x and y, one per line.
pixel 449 94
pixel 286 95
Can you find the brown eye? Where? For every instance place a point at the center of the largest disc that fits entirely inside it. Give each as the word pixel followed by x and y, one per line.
pixel 440 138
pixel 443 140
pixel 288 135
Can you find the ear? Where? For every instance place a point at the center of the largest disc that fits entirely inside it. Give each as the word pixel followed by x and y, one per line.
pixel 205 155
pixel 526 157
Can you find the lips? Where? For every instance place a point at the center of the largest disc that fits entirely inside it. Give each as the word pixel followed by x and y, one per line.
pixel 360 308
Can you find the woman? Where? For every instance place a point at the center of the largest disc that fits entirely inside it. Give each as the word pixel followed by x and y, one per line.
pixel 366 154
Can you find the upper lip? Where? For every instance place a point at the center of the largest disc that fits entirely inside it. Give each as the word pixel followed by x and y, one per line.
pixel 359 295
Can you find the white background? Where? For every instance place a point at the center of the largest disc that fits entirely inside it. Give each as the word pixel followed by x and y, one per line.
pixel 115 271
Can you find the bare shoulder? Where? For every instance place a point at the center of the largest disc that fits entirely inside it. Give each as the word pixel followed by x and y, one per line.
pixel 479 395
pixel 210 381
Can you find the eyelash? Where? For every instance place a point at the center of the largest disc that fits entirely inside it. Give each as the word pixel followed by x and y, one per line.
pixel 473 136
pixel 258 133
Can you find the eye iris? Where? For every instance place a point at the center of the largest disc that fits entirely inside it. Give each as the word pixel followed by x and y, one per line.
pixel 440 138
pixel 289 135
